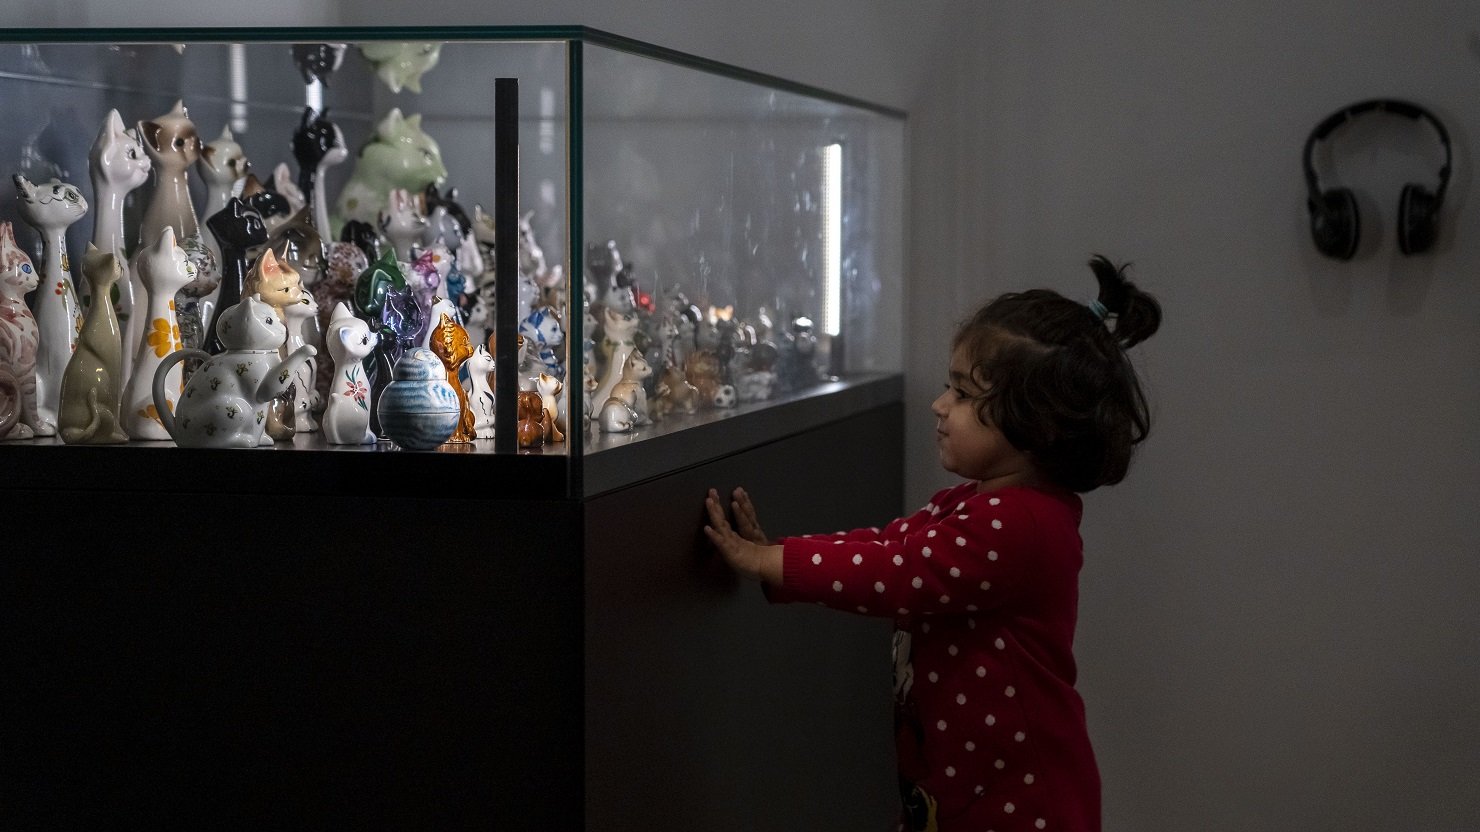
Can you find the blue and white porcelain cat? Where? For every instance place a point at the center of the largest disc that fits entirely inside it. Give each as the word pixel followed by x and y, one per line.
pixel 225 402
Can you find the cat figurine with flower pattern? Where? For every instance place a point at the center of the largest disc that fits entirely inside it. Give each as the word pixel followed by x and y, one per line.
pixel 225 401
pixel 346 418
pixel 162 270
pixel 19 337
pixel 51 207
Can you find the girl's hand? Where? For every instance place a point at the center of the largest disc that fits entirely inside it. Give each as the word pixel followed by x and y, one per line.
pixel 747 557
pixel 745 520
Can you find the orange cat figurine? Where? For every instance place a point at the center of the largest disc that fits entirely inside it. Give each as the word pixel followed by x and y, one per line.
pixel 451 344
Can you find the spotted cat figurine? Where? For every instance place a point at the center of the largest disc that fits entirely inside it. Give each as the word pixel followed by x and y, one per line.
pixel 225 401
pixel 19 337
pixel 92 387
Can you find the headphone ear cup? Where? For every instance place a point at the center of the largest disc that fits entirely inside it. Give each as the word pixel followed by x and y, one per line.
pixel 1418 219
pixel 1334 223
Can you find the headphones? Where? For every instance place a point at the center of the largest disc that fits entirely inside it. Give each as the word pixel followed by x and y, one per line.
pixel 1334 223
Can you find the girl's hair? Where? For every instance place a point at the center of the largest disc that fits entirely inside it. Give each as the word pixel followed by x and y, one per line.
pixel 1056 378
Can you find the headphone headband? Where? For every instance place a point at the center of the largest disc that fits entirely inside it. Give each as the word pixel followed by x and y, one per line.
pixel 1390 105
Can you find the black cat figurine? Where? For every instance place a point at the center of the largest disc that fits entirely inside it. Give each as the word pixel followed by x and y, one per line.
pixel 237 229
pixel 364 237
pixel 317 61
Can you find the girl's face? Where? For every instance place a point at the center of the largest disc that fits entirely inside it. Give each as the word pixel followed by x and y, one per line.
pixel 967 447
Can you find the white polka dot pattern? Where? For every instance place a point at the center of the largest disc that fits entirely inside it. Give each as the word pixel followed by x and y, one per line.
pixel 965 556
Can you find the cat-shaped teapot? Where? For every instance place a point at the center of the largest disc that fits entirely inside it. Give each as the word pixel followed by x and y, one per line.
pixel 225 402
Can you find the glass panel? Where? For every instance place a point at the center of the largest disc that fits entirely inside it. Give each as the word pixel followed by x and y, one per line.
pixel 258 91
pixel 760 230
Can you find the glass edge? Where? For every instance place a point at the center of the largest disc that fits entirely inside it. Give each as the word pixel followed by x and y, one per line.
pixel 585 34
pixel 575 434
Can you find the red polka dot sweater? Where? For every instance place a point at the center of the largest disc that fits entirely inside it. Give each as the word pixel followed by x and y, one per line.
pixel 984 592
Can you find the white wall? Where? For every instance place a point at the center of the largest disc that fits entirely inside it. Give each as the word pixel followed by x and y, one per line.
pixel 1279 628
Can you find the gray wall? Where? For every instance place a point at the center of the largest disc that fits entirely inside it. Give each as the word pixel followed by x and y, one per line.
pixel 1278 620
pixel 1276 626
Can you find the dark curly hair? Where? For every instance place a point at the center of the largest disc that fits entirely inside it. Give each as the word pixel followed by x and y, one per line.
pixel 1056 380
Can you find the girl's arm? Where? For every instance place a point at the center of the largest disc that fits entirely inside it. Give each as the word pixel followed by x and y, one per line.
pixel 968 557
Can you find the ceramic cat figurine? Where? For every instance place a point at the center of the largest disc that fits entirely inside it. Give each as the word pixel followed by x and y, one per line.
pixel 674 393
pixel 10 401
pixel 616 343
pixel 283 182
pixel 297 243
pixel 162 270
pixel 92 386
pixel 428 280
pixel 478 388
pixel 276 284
pixel 117 165
pixel 401 222
pixel 452 347
pixel 318 145
pixel 399 155
pixel 174 146
pixel 549 388
pixel 543 330
pixel 222 165
pixel 401 65
pixel 237 229
pixel 19 337
pixel 530 419
pixel 50 208
pixel 628 399
pixel 301 317
pixel 225 401
pixel 345 263
pixel 317 62
pixel 347 413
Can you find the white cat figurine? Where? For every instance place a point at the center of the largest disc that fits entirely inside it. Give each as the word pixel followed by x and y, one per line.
pixel 225 401
pixel 626 406
pixel 347 414
pixel 162 270
pixel 117 165
pixel 50 208
pixel 480 391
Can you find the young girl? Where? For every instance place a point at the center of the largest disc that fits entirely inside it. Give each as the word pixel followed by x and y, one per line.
pixel 982 582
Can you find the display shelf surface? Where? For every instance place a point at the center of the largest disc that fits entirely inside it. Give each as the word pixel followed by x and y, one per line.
pixel 308 465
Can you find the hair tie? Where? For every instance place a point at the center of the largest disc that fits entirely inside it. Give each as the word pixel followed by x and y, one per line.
pixel 1098 309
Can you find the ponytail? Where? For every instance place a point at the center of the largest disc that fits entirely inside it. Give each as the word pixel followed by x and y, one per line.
pixel 1137 314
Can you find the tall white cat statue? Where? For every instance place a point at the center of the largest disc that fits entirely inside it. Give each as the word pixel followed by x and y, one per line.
pixel 162 270
pixel 117 165
pixel 50 208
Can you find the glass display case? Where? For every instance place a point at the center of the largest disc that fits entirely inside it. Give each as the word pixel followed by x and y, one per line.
pixel 508 631
pixel 707 257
